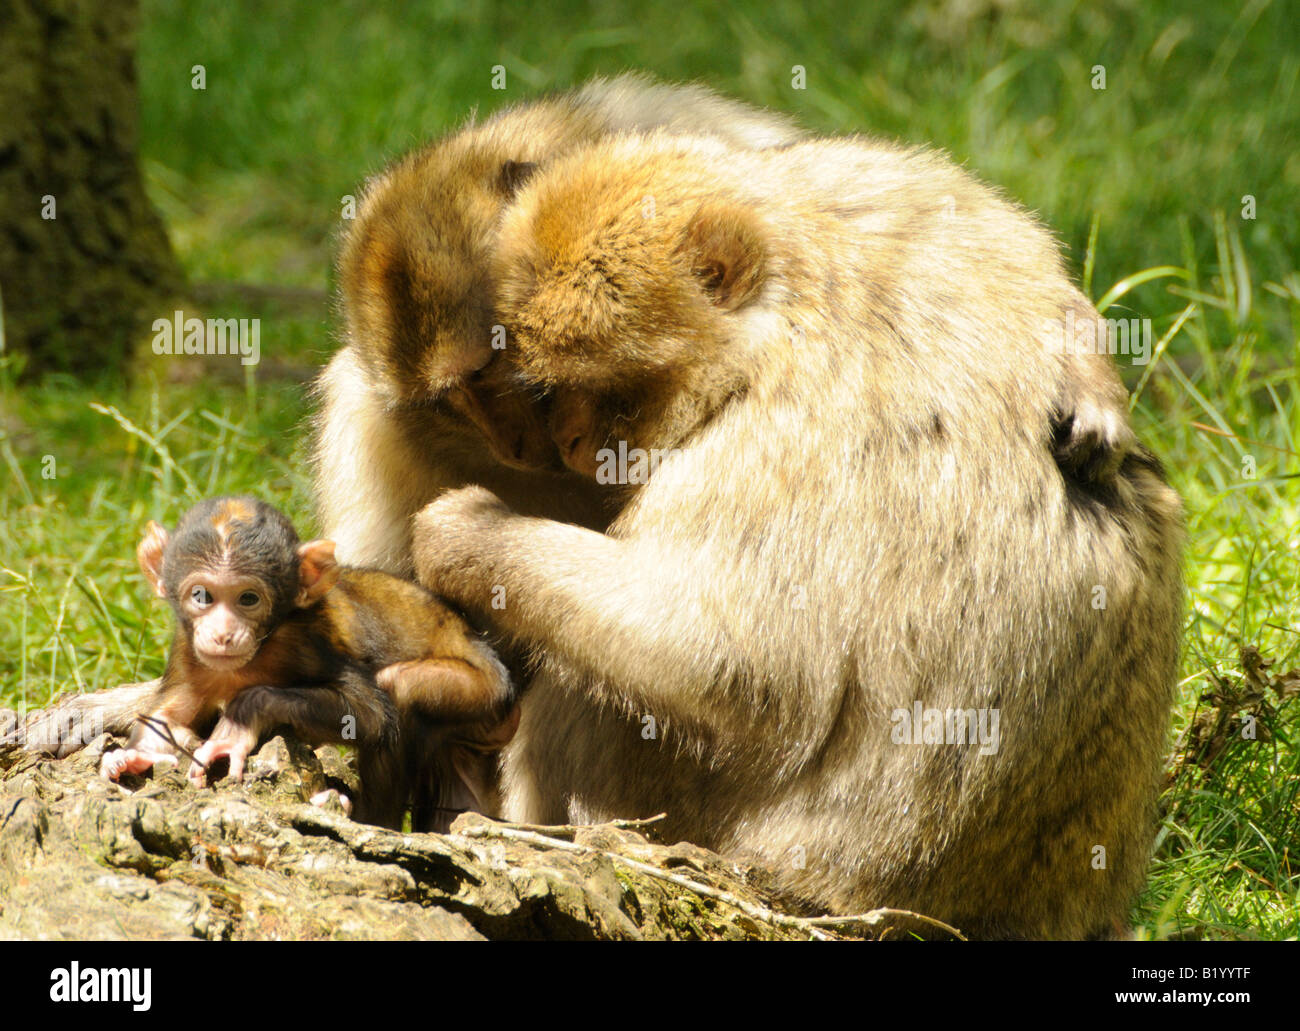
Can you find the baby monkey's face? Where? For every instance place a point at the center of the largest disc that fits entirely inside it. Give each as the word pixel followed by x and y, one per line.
pixel 233 571
pixel 227 614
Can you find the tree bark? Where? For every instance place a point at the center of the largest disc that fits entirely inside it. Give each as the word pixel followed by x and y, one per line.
pixel 154 858
pixel 84 261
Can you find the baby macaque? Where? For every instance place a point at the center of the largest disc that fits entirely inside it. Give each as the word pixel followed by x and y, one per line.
pixel 270 632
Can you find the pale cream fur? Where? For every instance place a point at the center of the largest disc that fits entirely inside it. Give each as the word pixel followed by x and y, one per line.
pixel 871 509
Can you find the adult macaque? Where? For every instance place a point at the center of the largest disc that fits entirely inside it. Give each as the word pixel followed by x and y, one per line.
pixel 424 396
pixel 75 720
pixel 874 515
pixel 274 632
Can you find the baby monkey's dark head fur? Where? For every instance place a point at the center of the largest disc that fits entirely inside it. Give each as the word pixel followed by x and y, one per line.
pixel 243 535
pixel 233 571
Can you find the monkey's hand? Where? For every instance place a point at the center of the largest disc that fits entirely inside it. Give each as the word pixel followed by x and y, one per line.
pixel 132 760
pixel 230 740
pixel 453 539
pixel 1090 428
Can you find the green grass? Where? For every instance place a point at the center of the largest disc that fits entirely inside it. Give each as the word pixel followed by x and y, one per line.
pixel 1201 108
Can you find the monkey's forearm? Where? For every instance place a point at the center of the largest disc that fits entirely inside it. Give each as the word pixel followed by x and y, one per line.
pixel 352 711
pixel 156 738
pixel 160 735
pixel 585 598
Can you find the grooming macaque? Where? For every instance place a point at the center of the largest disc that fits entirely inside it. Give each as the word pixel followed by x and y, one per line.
pixel 271 632
pixel 424 396
pixel 880 506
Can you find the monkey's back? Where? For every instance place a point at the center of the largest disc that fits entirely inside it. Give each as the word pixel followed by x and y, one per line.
pixel 898 481
pixel 378 619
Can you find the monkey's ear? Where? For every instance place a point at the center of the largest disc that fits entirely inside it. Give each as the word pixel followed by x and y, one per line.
pixel 317 571
pixel 514 174
pixel 150 556
pixel 725 249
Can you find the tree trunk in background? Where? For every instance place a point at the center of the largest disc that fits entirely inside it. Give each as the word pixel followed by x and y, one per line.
pixel 77 289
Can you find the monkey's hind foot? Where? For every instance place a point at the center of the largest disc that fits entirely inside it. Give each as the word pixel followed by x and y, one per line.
pixel 332 799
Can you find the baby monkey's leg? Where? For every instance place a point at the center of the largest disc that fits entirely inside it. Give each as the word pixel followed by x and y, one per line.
pixel 448 689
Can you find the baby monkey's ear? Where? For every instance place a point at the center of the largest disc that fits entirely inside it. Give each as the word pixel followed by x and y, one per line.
pixel 514 174
pixel 317 571
pixel 724 246
pixel 150 556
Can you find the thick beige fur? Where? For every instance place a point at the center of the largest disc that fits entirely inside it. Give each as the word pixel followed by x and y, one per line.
pixel 875 504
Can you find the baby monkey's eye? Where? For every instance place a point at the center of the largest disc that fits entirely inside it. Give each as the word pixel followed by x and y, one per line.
pixel 200 596
pixel 249 598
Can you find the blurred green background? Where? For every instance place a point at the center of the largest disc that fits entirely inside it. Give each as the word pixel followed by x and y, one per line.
pixel 1201 105
pixel 1144 180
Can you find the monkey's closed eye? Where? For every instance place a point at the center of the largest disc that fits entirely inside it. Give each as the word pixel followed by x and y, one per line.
pixel 200 596
pixel 478 373
pixel 249 598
